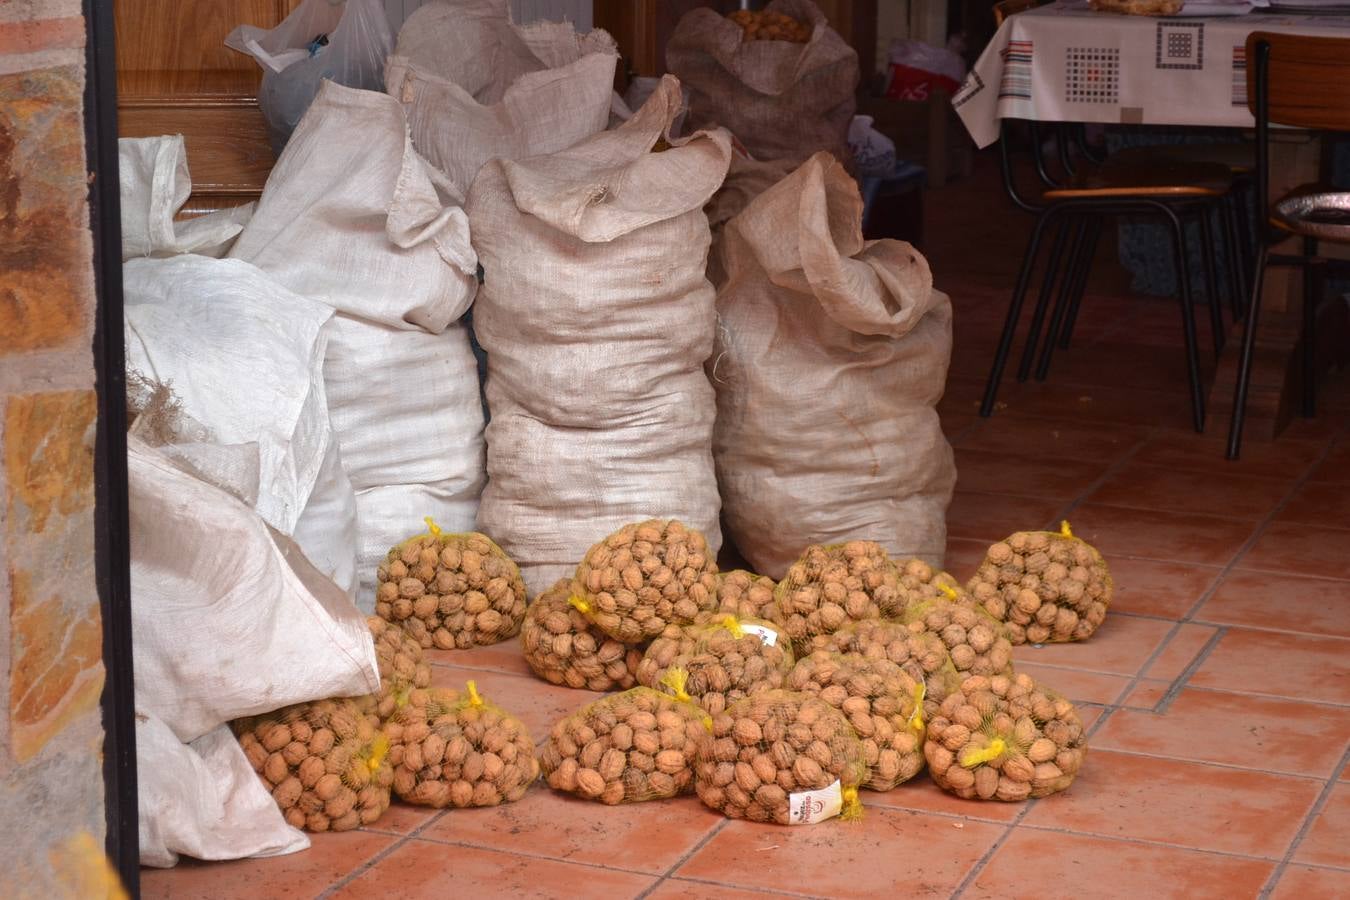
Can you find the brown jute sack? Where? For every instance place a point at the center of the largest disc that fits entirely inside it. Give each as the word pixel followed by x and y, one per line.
pixel 831 356
pixel 597 317
pixel 782 100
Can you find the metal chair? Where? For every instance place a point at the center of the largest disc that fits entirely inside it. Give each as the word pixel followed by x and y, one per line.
pixel 1303 82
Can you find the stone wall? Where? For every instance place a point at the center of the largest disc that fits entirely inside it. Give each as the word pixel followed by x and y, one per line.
pixel 51 669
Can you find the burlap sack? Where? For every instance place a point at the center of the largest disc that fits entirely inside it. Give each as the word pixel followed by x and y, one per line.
pixel 831 354
pixel 597 318
pixel 781 100
pixel 477 87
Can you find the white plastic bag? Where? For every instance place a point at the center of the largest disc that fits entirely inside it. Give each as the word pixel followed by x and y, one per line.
pixel 228 617
pixel 203 799
pixel 356 39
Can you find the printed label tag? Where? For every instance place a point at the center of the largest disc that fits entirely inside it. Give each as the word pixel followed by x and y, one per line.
pixel 767 636
pixel 810 807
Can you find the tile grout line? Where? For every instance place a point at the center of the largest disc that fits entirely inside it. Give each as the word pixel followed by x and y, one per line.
pixel 1152 842
pixel 1318 805
pixel 528 854
pixel 688 854
pixel 776 892
pixel 379 857
pixel 1206 762
pixel 1182 681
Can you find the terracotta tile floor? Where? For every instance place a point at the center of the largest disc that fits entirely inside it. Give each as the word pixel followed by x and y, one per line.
pixel 1218 690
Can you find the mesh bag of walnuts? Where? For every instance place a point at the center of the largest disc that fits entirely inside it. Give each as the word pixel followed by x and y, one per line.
pixel 401 665
pixel 626 748
pixel 644 577
pixel 453 749
pixel 1044 585
pixel 746 595
pixel 1004 738
pixel 833 585
pixel 563 647
pixel 920 582
pixel 726 660
pixel 771 26
pixel 883 704
pixel 451 590
pixel 324 762
pixel 782 757
pixel 974 639
pixel 922 655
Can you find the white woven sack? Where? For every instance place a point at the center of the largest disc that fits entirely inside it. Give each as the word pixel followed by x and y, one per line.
pixel 228 617
pixel 477 87
pixel 831 356
pixel 203 799
pixel 244 357
pixel 597 317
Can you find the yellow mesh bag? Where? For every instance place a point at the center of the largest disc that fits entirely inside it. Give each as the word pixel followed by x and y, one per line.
pixel 783 757
pixel 882 703
pixel 457 749
pixel 626 748
pixel 975 640
pixel 644 577
pixel 922 655
pixel 920 582
pixel 747 596
pixel 1005 738
pixel 563 647
pixel 1045 586
pixel 401 665
pixel 726 660
pixel 451 590
pixel 324 762
pixel 830 586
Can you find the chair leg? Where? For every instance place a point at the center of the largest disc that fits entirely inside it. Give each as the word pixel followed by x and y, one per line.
pixel 1069 291
pixel 1014 313
pixel 1245 358
pixel 1188 321
pixel 1310 292
pixel 1211 281
pixel 1052 273
pixel 1232 250
pixel 1076 299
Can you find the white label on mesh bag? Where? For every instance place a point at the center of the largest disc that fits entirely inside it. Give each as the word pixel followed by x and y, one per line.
pixel 810 807
pixel 767 636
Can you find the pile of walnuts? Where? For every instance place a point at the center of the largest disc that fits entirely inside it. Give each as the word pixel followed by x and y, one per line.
pixel 401 665
pixel 324 763
pixel 746 595
pixel 974 639
pixel 1044 586
pixel 920 582
pixel 771 26
pixel 1004 738
pixel 625 748
pixel 921 655
pixel 562 647
pixel 644 577
pixel 452 749
pixel 451 590
pixel 726 660
pixel 769 749
pixel 831 586
pixel 883 705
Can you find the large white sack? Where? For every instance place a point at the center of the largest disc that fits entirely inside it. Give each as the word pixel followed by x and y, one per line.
pixel 831 357
pixel 244 358
pixel 478 87
pixel 597 317
pixel 229 618
pixel 203 799
pixel 154 184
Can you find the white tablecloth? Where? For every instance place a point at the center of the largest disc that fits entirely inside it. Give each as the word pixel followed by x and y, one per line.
pixel 1064 63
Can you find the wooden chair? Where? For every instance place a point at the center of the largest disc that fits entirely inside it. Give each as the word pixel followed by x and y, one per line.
pixel 1302 82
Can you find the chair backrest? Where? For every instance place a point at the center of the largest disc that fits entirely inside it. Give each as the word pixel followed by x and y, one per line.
pixel 1307 79
pixel 1006 8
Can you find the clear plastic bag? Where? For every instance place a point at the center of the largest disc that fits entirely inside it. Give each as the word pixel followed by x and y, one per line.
pixel 344 41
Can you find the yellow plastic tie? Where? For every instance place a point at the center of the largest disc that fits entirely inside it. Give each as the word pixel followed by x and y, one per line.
pixel 988 754
pixel 732 624
pixel 474 698
pixel 1065 530
pixel 852 810
pixel 579 605
pixel 676 679
pixel 916 723
pixel 432 528
pixel 948 591
pixel 402 697
pixel 379 748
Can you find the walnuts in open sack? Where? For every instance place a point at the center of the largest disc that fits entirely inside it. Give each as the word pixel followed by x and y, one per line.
pixel 452 749
pixel 562 647
pixel 782 757
pixel 831 586
pixel 451 590
pixel 725 660
pixel 644 577
pixel 883 704
pixel 1045 586
pixel 747 595
pixel 1005 738
pixel 771 26
pixel 974 639
pixel 402 667
pixel 324 762
pixel 923 656
pixel 625 748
